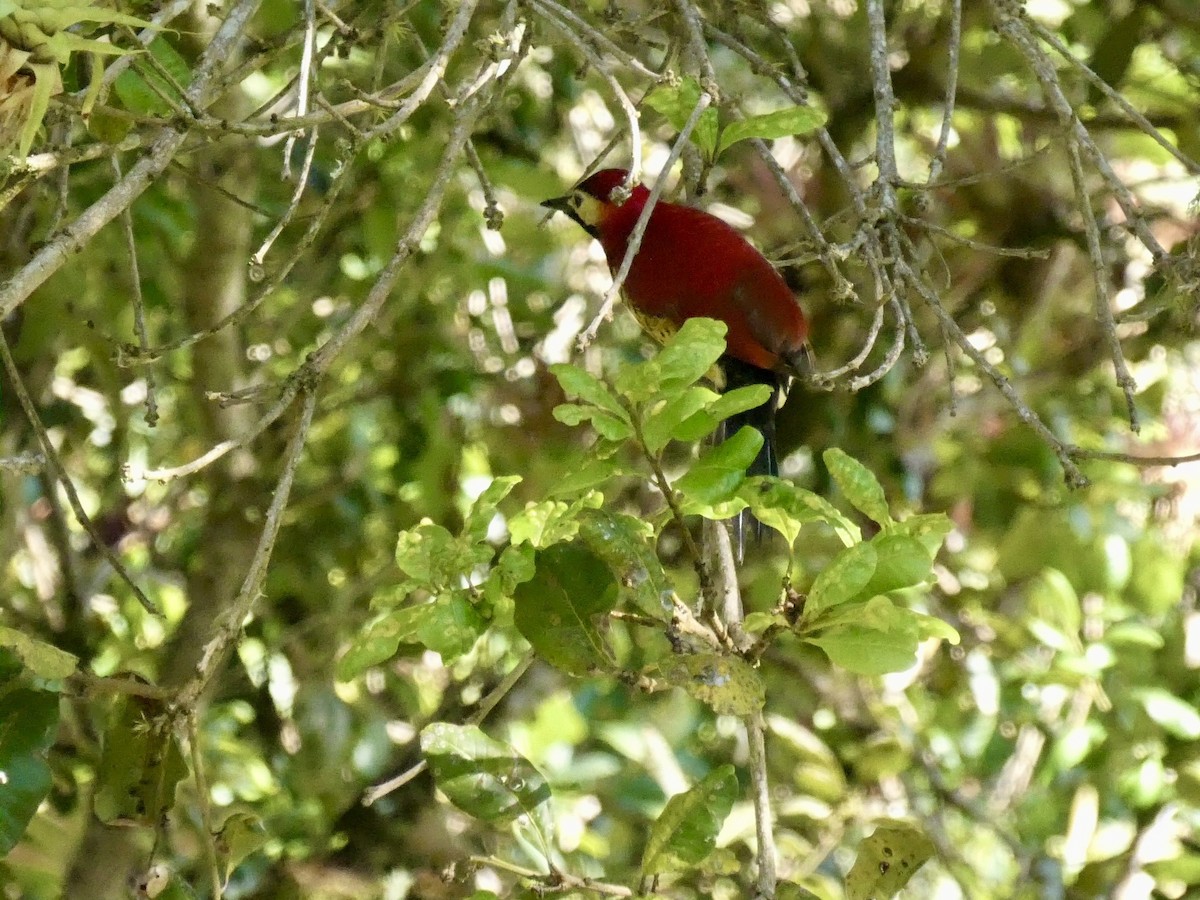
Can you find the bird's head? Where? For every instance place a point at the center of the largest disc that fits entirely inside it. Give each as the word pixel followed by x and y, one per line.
pixel 590 203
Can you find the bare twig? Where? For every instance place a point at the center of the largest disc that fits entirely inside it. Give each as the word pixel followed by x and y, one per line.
pixel 55 253
pixel 631 114
pixel 482 711
pixel 303 86
pixel 139 306
pixel 1104 312
pixel 1116 97
pixel 229 621
pixel 58 470
pixel 939 153
pixel 435 69
pixel 205 803
pixel 600 39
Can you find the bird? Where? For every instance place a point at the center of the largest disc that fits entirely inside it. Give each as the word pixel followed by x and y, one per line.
pixel 691 263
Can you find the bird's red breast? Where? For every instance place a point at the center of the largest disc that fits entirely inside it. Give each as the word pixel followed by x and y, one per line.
pixel 690 263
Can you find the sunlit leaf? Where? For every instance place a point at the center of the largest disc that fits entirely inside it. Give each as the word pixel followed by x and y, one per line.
pixel 791 120
pixel 677 102
pixel 843 579
pixel 869 651
pixel 579 384
pixel 728 684
pixel 718 472
pixel 685 832
pixel 858 485
pixel 887 859
pixel 481 776
pixel 42 659
pixel 784 506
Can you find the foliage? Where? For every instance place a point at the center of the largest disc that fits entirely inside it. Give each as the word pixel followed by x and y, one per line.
pixel 393 523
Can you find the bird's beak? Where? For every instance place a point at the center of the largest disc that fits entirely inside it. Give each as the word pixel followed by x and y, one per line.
pixel 561 204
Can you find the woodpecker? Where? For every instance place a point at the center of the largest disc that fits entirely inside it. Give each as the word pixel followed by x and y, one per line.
pixel 690 263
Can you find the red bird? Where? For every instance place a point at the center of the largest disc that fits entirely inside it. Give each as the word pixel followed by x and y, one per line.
pixel 690 263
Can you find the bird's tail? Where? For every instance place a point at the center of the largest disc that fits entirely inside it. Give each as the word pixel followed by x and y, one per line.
pixel 739 374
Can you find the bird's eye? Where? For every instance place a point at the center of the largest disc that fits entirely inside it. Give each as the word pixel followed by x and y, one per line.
pixel 577 200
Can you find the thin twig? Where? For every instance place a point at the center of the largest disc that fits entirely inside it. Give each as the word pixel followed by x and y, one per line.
pixel 623 56
pixel 303 86
pixel 639 228
pixel 205 802
pixel 58 470
pixel 627 107
pixel 939 153
pixel 321 358
pixel 59 249
pixel 229 621
pixel 1115 96
pixel 1104 312
pixel 482 711
pixel 139 305
pixel 435 69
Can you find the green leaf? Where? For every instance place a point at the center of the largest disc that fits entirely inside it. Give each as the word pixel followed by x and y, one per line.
pixel 786 507
pixel 557 608
pixel 676 103
pixel 858 484
pixel 432 556
pixel 626 544
pixel 928 528
pixel 728 684
pixel 42 659
pixel 28 722
pixel 483 777
pixel 241 834
pixel 933 627
pixel 140 765
pixel 901 561
pixel 887 859
pixel 691 352
pixel 686 358
pixel 449 625
pixel 685 832
pixel 719 471
pixel 137 88
pixel 740 399
pixel 551 521
pixel 1177 717
pixel 760 621
pixel 584 474
pixel 704 422
pixel 579 384
pixel 1052 602
pixel 606 424
pixel 660 425
pixel 869 651
pixel 768 126
pixel 843 579
pixel 483 510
